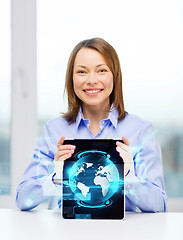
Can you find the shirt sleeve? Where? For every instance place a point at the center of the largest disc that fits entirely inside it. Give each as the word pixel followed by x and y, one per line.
pixel 144 185
pixel 36 186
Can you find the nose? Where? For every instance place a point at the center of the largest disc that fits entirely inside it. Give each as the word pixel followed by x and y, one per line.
pixel 92 78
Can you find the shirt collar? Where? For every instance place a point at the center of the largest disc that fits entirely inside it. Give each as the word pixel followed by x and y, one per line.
pixel 112 116
pixel 80 118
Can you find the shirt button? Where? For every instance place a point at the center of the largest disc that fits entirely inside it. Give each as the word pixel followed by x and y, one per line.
pixel 128 186
pixel 103 122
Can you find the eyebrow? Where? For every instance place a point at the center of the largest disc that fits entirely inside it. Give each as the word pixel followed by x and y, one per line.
pixel 81 66
pixel 101 65
pixel 96 66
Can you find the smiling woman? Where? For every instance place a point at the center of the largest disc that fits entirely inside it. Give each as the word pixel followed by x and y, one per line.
pixel 96 111
pixel 93 81
pixel 94 84
pixel 94 73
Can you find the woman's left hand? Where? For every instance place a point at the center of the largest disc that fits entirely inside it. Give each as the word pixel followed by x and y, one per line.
pixel 124 152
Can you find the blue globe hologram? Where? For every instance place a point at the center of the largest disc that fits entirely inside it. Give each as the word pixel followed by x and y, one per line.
pixel 94 178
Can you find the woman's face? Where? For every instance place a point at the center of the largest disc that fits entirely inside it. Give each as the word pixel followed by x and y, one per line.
pixel 92 78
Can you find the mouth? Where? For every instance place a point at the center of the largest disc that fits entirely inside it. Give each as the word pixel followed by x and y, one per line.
pixel 92 91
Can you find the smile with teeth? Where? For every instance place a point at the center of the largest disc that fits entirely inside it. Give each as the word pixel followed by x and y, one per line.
pixel 93 91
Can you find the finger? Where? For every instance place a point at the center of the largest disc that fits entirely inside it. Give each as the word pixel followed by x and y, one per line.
pixel 64 157
pixel 66 147
pixel 122 153
pixel 125 155
pixel 58 158
pixel 61 141
pixel 61 153
pixel 64 152
pixel 125 140
pixel 123 146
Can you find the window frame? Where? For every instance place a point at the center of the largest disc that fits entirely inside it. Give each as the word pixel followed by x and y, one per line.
pixel 23 93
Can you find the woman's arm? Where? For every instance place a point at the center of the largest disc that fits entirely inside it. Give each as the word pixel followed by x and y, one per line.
pixel 36 185
pixel 144 185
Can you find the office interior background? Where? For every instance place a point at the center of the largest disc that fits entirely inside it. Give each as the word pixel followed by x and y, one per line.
pixel 36 39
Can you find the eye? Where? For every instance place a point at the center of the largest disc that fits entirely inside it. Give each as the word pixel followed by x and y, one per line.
pixel 81 72
pixel 102 70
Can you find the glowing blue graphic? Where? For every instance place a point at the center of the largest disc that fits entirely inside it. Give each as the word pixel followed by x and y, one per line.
pixel 93 178
pixel 28 202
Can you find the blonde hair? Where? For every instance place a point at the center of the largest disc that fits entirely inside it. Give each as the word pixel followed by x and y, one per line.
pixel 112 61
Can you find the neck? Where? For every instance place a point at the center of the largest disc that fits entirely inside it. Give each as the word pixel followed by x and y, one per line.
pixel 95 114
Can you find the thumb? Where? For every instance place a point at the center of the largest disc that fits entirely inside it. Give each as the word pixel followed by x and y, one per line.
pixel 125 140
pixel 61 141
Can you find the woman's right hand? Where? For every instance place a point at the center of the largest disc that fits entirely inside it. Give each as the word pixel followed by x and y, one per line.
pixel 64 152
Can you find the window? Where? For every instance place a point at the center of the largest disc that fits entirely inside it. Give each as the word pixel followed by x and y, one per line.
pixel 5 97
pixel 148 40
pixel 17 94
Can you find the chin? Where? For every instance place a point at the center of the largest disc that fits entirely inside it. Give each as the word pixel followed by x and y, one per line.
pixel 96 104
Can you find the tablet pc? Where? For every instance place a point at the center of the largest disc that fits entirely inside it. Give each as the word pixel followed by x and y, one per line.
pixel 93 181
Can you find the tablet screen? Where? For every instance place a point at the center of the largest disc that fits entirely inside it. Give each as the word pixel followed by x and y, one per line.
pixel 93 181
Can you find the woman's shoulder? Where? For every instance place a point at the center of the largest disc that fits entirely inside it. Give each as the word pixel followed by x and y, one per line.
pixel 58 127
pixel 57 121
pixel 135 127
pixel 135 120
